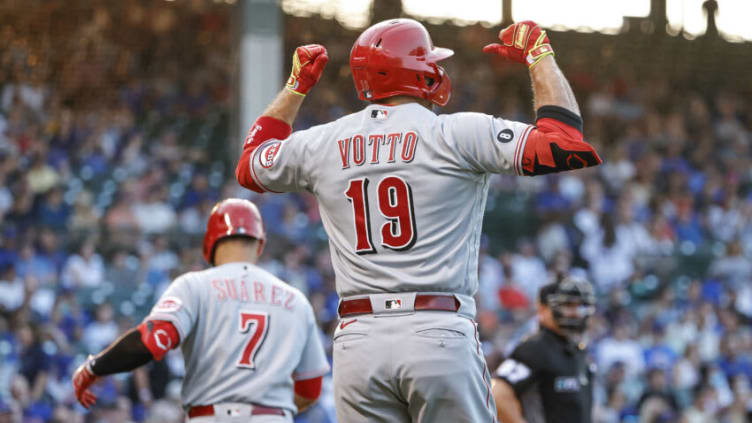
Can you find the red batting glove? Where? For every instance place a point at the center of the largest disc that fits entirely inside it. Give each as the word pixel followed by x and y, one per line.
pixel 307 65
pixel 522 42
pixel 84 377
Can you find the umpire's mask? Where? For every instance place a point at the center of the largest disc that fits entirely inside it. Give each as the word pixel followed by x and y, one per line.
pixel 572 302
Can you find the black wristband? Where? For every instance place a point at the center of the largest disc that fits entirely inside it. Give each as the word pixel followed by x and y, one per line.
pixel 561 114
pixel 124 355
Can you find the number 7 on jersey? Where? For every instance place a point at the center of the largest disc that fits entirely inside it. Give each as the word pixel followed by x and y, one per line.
pixel 257 325
pixel 395 203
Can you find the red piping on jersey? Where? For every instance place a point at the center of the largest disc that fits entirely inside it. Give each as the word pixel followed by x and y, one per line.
pixel 346 324
pixel 255 177
pixel 265 128
pixel 519 148
pixel 485 380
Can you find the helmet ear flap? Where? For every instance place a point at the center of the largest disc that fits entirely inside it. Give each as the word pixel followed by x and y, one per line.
pixel 441 90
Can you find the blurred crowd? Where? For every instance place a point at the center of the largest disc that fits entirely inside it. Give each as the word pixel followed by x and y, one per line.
pixel 114 146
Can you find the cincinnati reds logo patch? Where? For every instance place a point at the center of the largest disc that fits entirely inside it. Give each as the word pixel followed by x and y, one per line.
pixel 158 335
pixel 169 305
pixel 505 135
pixel 268 153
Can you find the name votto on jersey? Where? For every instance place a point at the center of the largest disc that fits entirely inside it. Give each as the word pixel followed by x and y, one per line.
pixel 377 148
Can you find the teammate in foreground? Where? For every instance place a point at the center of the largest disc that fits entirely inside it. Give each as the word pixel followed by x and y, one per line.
pixel 401 193
pixel 547 378
pixel 251 347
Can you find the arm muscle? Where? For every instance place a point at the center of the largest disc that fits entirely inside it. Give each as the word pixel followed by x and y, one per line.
pixel 507 405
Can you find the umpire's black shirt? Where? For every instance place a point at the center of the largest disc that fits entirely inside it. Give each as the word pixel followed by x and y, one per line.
pixel 551 378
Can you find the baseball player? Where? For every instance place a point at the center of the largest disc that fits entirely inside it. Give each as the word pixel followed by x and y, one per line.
pixel 548 378
pixel 250 342
pixel 401 193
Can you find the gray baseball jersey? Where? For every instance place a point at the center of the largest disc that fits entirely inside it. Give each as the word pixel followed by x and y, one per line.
pixel 401 192
pixel 245 335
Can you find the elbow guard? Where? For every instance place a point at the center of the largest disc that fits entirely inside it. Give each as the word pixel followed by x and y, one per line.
pixel 557 144
pixel 159 336
pixel 263 129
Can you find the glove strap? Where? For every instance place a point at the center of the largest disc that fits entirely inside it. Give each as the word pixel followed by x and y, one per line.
pixel 293 82
pixel 292 86
pixel 540 49
pixel 89 365
pixel 536 54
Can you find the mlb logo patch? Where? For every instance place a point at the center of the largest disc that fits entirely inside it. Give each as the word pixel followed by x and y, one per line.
pixel 393 304
pixel 379 114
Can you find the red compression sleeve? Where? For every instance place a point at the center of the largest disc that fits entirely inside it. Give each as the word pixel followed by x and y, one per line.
pixel 309 388
pixel 557 144
pixel 263 129
pixel 159 336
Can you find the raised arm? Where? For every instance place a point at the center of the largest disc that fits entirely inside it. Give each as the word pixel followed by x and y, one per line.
pixel 556 144
pixel 308 64
pixel 550 87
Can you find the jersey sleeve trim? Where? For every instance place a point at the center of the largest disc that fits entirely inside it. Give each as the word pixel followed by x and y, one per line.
pixel 519 149
pixel 312 374
pixel 168 318
pixel 243 172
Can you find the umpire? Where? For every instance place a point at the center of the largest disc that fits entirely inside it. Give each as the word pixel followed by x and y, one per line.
pixel 548 378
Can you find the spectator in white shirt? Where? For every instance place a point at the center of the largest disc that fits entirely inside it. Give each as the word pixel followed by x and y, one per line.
pixel 102 331
pixel 528 269
pixel 12 290
pixel 619 347
pixel 85 269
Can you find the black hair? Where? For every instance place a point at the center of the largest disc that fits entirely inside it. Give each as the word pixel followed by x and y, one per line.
pixel 248 238
pixel 545 291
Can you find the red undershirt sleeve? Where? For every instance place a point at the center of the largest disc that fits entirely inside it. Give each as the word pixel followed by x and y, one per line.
pixel 159 336
pixel 265 128
pixel 309 388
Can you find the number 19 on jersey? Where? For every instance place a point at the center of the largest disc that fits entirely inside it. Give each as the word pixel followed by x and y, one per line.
pixel 395 202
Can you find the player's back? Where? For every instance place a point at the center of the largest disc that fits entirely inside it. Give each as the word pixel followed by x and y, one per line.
pixel 250 336
pixel 401 192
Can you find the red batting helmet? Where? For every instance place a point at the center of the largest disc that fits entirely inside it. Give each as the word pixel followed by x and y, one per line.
pixel 397 57
pixel 229 218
